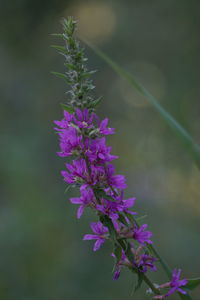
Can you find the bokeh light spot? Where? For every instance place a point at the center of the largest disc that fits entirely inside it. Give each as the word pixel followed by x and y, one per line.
pixel 150 76
pixel 97 21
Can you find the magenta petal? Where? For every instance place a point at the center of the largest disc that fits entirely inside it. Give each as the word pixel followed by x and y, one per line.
pixel 96 227
pixel 90 237
pixel 129 202
pixel 80 211
pixel 182 291
pixel 104 123
pixel 75 200
pixel 98 244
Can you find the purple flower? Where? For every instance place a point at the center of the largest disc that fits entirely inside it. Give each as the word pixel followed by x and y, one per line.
pixel 98 152
pixel 83 119
pixel 141 235
pixel 69 142
pixel 63 124
pixel 146 261
pixel 175 285
pixel 100 234
pixel 111 210
pixel 78 172
pixel 116 181
pixel 118 266
pixel 126 204
pixel 103 129
pixel 86 198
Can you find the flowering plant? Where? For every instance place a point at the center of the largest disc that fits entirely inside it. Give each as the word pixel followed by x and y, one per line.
pixel 82 136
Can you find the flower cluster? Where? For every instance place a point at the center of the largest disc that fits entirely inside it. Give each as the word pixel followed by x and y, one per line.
pixel 82 136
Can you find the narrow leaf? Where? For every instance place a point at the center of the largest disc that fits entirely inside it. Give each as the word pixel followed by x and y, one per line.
pixel 70 109
pixel 192 283
pixel 60 35
pixel 191 146
pixel 108 223
pixel 139 281
pixel 60 75
pixel 60 49
pixel 122 219
pixel 102 194
pixel 118 252
pixel 94 103
pixel 185 297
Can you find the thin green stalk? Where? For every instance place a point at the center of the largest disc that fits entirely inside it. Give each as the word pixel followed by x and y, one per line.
pixel 188 142
pixel 165 267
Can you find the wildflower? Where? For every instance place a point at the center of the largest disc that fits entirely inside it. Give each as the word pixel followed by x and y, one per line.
pixel 175 285
pixel 141 235
pixel 83 119
pixel 98 152
pixel 146 261
pixel 115 181
pixel 86 199
pixel 63 124
pixel 103 129
pixel 100 234
pixel 78 172
pixel 118 266
pixel 82 134
pixel 70 141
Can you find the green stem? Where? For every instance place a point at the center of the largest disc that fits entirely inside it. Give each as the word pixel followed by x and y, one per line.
pixel 179 130
pixel 165 267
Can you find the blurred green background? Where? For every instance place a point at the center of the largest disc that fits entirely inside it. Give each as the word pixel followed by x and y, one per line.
pixel 42 252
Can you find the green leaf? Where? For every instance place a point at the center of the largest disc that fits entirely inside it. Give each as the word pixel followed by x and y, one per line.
pixel 60 75
pixel 130 217
pixel 122 219
pixel 185 297
pixel 188 142
pixel 140 218
pixel 94 103
pixel 60 35
pixel 67 188
pixel 108 223
pixel 118 252
pixel 192 283
pixel 70 109
pixel 60 49
pixel 102 194
pixel 139 281
pixel 129 253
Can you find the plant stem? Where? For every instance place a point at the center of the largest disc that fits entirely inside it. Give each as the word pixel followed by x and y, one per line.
pixel 165 267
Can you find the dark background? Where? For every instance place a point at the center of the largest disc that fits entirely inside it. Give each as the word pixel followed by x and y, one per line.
pixel 42 252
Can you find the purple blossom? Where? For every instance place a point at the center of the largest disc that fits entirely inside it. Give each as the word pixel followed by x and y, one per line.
pixel 83 119
pixel 125 204
pixel 175 285
pixel 86 198
pixel 118 266
pixel 141 235
pixel 146 261
pixel 69 142
pixel 111 210
pixel 78 172
pixel 100 234
pixel 98 152
pixel 103 129
pixel 63 124
pixel 115 181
